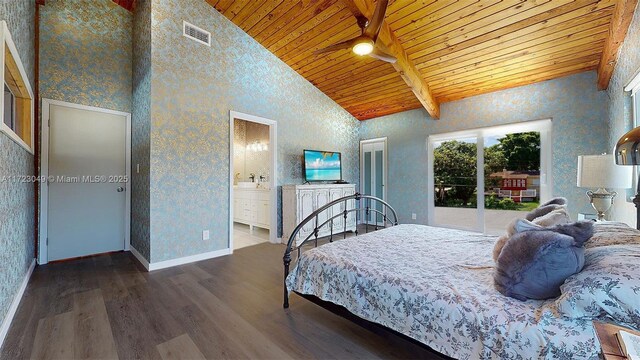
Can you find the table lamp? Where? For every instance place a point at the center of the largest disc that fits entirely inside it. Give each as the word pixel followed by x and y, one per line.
pixel 627 154
pixel 601 172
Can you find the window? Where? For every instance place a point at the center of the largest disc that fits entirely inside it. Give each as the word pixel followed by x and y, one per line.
pixel 9 108
pixel 634 88
pixel 17 101
pixel 481 179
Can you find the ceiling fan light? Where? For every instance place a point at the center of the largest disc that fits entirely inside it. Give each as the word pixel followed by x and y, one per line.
pixel 363 47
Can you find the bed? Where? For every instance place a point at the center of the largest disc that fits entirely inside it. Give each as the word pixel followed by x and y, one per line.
pixel 435 285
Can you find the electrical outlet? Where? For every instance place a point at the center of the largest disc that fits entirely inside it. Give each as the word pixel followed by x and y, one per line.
pixel 414 216
pixel 205 235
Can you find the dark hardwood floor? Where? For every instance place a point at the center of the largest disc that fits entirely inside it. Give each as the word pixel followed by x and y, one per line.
pixel 108 307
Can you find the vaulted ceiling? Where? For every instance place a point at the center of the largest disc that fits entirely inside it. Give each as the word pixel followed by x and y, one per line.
pixel 447 49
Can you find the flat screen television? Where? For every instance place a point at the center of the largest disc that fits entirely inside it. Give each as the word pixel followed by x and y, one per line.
pixel 322 166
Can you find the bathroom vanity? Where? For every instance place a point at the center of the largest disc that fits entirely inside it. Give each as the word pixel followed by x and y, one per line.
pixel 251 206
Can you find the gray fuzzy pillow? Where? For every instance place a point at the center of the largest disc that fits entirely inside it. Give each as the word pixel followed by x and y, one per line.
pixel 534 263
pixel 553 212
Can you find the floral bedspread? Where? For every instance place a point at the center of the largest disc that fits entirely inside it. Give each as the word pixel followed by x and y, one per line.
pixel 435 285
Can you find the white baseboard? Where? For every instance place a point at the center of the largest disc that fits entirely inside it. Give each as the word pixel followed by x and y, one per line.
pixel 179 261
pixel 6 323
pixel 139 257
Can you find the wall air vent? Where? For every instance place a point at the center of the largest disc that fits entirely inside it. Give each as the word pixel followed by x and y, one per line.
pixel 195 33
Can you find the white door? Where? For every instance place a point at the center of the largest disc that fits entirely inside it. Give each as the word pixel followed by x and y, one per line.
pixel 87 199
pixel 374 175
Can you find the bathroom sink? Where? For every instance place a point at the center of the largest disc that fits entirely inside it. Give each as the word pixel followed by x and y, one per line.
pixel 247 185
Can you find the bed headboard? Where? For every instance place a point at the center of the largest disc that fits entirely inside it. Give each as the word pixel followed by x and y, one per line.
pixel 363 207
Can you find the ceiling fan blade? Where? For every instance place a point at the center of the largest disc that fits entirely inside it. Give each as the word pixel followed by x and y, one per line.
pixel 373 28
pixel 339 46
pixel 381 55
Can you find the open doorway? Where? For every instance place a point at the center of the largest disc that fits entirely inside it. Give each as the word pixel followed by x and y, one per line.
pixel 252 180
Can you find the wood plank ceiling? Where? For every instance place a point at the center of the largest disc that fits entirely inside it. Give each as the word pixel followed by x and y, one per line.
pixel 460 48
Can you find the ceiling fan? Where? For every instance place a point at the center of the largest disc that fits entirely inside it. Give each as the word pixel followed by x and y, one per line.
pixel 365 44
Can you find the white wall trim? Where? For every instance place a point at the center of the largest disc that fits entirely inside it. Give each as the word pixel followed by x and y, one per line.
pixel 11 135
pixel 189 259
pixel 6 323
pixel 273 178
pixel 634 83
pixel 139 257
pixel 44 173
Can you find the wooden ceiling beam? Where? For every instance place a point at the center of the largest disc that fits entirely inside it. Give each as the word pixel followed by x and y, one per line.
pixel 622 15
pixel 403 65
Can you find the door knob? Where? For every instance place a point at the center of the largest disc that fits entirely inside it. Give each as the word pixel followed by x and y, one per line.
pixel 120 189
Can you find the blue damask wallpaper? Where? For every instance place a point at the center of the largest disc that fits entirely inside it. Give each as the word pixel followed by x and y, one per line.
pixel 621 109
pixel 193 89
pixel 17 241
pixel 181 93
pixel 85 53
pixel 141 128
pixel 579 114
pixel 86 58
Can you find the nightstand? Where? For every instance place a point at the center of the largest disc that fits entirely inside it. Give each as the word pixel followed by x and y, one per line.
pixel 606 333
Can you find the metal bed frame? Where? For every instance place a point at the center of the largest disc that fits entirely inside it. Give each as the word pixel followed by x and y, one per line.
pixel 362 205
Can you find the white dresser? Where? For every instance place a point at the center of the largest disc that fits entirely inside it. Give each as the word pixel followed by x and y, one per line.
pixel 299 201
pixel 251 207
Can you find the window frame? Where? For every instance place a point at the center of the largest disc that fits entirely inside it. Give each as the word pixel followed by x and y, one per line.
pixel 634 88
pixel 25 115
pixel 544 127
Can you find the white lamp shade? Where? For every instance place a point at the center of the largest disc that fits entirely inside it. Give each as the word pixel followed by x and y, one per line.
pixel 601 171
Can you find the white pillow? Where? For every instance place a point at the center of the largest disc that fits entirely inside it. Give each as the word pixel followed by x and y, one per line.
pixel 612 233
pixel 609 285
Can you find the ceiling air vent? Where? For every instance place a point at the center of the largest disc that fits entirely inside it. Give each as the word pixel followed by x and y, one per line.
pixel 195 33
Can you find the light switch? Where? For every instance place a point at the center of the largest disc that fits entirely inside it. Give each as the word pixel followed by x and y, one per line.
pixel 205 235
